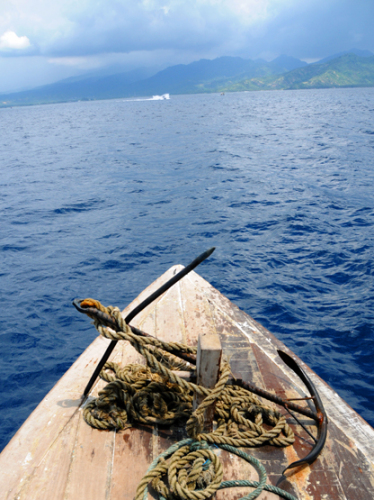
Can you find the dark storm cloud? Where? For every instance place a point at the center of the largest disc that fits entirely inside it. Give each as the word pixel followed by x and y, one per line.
pixel 306 28
pixel 316 29
pixel 127 27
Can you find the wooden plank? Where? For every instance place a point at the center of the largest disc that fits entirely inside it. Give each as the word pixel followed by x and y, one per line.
pixel 35 438
pixel 132 456
pixel 355 427
pixel 243 360
pixel 208 362
pixel 91 466
pixel 169 325
pixel 235 468
pixel 237 349
pixel 51 475
pixel 197 312
pixel 133 447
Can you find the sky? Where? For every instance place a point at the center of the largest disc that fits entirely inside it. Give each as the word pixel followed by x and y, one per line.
pixel 43 41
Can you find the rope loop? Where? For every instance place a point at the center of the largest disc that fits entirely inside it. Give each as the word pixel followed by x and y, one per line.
pixel 193 470
pixel 155 394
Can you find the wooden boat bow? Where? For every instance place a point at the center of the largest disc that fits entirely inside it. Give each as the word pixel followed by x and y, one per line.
pixel 55 454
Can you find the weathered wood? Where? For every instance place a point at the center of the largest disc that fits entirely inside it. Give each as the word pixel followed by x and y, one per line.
pixel 208 360
pixel 57 455
pixel 23 456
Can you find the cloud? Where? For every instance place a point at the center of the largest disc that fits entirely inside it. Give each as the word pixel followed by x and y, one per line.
pixel 72 29
pixel 10 40
pixel 78 36
pixel 303 28
pixel 313 29
pixel 149 25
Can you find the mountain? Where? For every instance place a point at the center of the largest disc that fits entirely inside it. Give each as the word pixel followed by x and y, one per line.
pixel 348 70
pixel 200 76
pixel 76 88
pixel 357 52
pixel 286 63
pixel 222 74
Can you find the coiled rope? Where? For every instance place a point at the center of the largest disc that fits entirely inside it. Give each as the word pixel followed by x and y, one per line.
pixel 154 394
pixel 210 482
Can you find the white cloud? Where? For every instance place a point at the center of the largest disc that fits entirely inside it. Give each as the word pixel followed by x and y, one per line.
pixel 10 40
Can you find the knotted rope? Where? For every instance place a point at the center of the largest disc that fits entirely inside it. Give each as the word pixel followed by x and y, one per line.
pixel 191 465
pixel 154 394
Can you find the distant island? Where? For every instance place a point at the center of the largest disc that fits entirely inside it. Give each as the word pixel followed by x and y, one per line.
pixel 224 74
pixel 348 70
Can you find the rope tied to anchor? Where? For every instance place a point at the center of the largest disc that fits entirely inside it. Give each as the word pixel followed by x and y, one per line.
pixel 154 394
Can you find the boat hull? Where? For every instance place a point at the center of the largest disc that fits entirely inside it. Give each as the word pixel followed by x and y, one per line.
pixel 55 454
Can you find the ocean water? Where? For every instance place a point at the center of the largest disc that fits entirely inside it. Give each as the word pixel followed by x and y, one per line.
pixel 97 199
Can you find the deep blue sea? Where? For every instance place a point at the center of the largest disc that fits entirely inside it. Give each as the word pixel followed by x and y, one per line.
pixel 97 199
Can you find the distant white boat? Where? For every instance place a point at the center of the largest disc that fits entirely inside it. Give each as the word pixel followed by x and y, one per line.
pixel 160 97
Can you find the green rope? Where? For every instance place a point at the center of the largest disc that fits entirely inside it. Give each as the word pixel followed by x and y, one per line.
pixel 256 464
pixel 254 484
pixel 165 454
pixel 258 485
